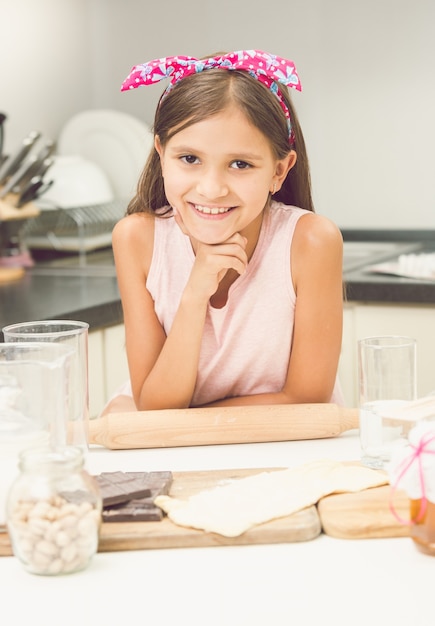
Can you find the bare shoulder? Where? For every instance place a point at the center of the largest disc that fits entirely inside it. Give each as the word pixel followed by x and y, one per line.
pixel 316 230
pixel 133 228
pixel 317 246
pixel 133 240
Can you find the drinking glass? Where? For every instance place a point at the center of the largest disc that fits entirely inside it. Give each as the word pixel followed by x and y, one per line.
pixel 73 334
pixel 32 403
pixel 387 373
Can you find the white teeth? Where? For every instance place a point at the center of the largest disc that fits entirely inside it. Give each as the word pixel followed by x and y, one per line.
pixel 210 211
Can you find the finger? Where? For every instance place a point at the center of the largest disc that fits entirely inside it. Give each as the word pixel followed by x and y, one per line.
pixel 237 238
pixel 228 257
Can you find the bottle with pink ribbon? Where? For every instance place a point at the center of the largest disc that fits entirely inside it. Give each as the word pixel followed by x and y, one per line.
pixel 412 470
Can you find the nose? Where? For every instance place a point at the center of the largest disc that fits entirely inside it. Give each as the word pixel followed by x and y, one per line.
pixel 212 184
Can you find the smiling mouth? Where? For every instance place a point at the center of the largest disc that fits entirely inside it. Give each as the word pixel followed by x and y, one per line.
pixel 212 210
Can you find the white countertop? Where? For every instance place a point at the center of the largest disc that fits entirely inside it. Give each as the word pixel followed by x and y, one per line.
pixel 368 582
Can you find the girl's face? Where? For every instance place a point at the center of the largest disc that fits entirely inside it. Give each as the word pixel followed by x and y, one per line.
pixel 218 174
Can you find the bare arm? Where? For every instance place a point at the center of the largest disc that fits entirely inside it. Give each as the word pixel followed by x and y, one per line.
pixel 316 259
pixel 163 369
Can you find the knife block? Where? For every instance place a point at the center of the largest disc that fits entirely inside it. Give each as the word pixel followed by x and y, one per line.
pixel 9 212
pixel 10 274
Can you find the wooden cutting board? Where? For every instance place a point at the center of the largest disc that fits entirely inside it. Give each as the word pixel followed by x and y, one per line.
pixel 301 526
pixel 362 515
pixel 365 514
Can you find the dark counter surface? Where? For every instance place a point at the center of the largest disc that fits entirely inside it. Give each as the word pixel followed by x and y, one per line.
pixel 89 299
pixel 63 289
pixel 363 285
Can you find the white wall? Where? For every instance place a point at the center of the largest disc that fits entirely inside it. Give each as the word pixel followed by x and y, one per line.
pixel 367 69
pixel 44 56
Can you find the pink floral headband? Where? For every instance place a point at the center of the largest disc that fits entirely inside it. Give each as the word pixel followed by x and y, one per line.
pixel 269 69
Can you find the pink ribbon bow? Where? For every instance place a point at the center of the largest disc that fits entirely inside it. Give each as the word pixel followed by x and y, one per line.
pixel 423 447
pixel 267 68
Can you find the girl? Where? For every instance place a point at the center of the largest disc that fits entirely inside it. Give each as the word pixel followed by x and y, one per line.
pixel 231 285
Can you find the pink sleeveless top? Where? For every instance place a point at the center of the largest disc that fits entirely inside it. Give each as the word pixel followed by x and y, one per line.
pixel 246 344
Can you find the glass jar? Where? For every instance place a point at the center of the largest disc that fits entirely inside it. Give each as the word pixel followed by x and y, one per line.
pixel 423 528
pixel 413 471
pixel 53 511
pixel 11 444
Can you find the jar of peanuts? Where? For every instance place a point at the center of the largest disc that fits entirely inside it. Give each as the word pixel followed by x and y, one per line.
pixel 53 511
pixel 412 470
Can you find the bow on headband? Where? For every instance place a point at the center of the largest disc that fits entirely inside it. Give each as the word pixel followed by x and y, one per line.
pixel 269 69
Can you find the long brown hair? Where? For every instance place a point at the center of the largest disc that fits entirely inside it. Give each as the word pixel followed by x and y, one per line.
pixel 204 94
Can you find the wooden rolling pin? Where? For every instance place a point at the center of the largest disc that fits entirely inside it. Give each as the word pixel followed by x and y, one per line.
pixel 168 428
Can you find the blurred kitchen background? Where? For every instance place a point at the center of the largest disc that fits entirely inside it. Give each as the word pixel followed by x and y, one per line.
pixel 367 110
pixel 367 70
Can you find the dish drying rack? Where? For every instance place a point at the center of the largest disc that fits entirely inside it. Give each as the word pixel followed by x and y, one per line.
pixel 78 229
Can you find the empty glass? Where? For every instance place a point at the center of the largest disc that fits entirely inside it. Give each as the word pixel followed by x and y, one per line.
pixel 73 334
pixel 387 373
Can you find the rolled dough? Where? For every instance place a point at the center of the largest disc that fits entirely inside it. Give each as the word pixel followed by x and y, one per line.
pixel 231 509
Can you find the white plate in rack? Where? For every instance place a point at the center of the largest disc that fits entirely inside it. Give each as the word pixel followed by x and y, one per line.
pixel 118 142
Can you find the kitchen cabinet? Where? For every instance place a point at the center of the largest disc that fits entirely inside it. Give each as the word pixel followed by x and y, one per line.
pixel 363 319
pixel 108 367
pixel 347 363
pixel 97 391
pixel 116 367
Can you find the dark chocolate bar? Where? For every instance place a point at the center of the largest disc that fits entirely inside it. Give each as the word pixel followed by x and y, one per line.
pixel 141 509
pixel 133 511
pixel 117 487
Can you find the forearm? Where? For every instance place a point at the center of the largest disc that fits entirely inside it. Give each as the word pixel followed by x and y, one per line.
pixel 271 398
pixel 256 399
pixel 171 381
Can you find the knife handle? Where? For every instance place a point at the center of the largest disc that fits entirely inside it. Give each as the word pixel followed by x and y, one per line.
pixel 37 168
pixel 14 160
pixel 3 118
pixel 18 176
pixel 34 189
pixel 46 150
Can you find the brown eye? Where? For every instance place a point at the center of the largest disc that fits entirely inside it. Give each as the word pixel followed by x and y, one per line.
pixel 240 165
pixel 190 159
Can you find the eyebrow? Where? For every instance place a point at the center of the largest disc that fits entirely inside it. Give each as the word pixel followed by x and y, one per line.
pixel 240 156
